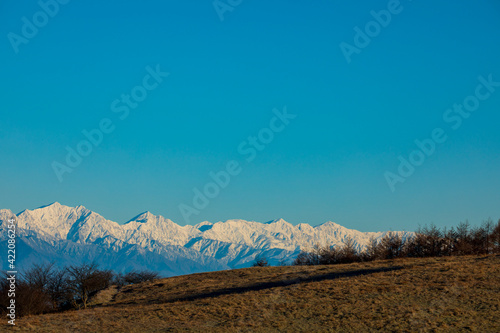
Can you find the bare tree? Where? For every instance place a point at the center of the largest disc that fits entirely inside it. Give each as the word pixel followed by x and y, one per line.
pixel 488 227
pixel 348 252
pixel 58 290
pixel 86 279
pixel 119 280
pixel 39 276
pixel 302 259
pixel 433 241
pixel 33 289
pixel 478 240
pixel 328 255
pixel 372 251
pixel 392 246
pixel 463 240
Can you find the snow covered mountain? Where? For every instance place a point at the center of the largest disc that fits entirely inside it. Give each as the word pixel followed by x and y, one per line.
pixel 69 235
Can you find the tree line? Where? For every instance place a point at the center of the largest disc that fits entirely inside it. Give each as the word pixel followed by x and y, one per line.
pixel 426 242
pixel 46 288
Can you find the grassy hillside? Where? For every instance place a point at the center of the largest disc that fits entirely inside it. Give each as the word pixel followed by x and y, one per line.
pixel 431 294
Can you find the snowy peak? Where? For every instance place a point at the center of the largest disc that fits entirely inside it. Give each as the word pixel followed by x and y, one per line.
pixel 77 224
pixel 149 218
pixel 53 220
pixel 330 224
pixel 277 221
pixel 143 217
pixel 148 227
pixel 6 212
pixel 205 246
pixel 5 215
pixel 54 205
pixel 56 208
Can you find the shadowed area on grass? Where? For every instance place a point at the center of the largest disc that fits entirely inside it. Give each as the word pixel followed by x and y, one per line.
pixel 282 283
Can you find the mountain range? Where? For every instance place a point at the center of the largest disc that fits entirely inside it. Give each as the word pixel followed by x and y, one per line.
pixel 68 235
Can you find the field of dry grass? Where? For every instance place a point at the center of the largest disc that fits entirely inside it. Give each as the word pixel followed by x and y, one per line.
pixel 408 295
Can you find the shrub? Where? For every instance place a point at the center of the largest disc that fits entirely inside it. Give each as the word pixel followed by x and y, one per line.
pixel 329 255
pixel 139 276
pixel 260 262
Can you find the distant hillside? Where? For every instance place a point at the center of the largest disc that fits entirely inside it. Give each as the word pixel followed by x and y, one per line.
pixel 405 295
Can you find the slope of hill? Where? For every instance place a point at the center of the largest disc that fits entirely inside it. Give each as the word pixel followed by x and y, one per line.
pixel 68 235
pixel 405 295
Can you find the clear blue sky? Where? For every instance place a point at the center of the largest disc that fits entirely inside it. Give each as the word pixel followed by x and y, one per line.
pixel 353 119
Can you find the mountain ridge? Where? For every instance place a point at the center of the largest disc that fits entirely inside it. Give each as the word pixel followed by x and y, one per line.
pixel 154 242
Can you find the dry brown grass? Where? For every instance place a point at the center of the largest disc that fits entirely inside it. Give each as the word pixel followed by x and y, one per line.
pixel 404 295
